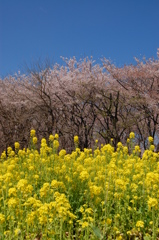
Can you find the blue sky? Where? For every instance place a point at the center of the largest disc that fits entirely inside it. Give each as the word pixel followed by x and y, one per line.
pixel 116 29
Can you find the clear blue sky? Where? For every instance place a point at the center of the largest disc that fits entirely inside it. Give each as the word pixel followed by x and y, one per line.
pixel 116 29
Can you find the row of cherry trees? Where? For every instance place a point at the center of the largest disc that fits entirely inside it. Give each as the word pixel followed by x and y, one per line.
pixel 81 98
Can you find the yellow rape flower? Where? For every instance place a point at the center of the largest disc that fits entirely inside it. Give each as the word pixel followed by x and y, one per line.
pixel 45 189
pixel 35 140
pixel 152 147
pixel 89 210
pixel 22 184
pixel 12 154
pixel 36 176
pixel 3 155
pixel 150 139
pixel 119 144
pixel 76 140
pixel 95 190
pixel 51 138
pixel 12 202
pixel 152 202
pixel 17 231
pixel 140 224
pixel 125 150
pixel 56 136
pixel 30 218
pixel 62 153
pixel 132 135
pixel 32 133
pixel 108 221
pixel 17 145
pixel 9 149
pixel 43 220
pixel 43 142
pixel 119 237
pixel 81 209
pixel 84 175
pixel 84 224
pixel 12 192
pixel 6 233
pixel 137 148
pixel 56 144
pixel 2 218
pixel 54 184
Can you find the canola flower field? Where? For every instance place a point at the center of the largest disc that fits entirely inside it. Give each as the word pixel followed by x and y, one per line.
pixel 100 194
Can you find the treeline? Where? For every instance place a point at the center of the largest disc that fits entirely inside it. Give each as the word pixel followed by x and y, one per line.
pixel 81 98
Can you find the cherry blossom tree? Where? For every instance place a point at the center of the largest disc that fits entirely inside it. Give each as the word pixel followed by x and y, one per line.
pixel 81 98
pixel 141 83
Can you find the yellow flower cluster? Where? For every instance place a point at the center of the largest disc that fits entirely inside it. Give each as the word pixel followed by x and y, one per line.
pixel 76 139
pixel 85 193
pixel 150 139
pixel 17 145
pixel 32 133
pixel 132 135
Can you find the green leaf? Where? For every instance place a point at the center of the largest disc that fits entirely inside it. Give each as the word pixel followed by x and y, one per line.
pixel 147 237
pixel 97 232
